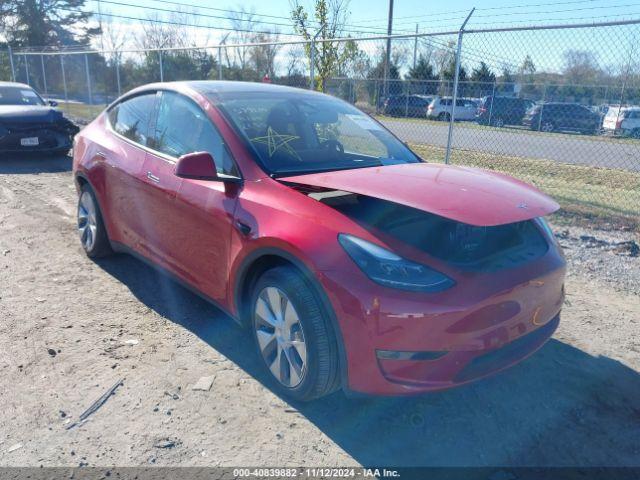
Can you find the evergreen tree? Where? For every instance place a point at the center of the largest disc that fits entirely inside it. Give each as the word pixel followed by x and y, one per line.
pixel 40 23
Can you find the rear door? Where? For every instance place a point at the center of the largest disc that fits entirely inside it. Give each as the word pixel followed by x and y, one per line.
pixel 123 153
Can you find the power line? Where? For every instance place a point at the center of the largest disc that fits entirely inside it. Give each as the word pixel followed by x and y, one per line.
pixel 184 24
pixel 629 15
pixel 561 11
pixel 506 7
pixel 350 28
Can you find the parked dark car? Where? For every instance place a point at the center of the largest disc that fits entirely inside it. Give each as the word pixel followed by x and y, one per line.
pixel 30 124
pixel 406 105
pixel 501 111
pixel 554 117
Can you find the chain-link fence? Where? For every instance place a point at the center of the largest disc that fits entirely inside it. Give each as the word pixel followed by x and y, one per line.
pixel 557 106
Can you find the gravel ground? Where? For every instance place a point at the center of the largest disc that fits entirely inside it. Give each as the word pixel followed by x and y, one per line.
pixel 612 257
pixel 71 329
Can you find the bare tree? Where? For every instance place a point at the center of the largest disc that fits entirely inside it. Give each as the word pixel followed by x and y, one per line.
pixel 295 55
pixel 243 24
pixel 115 37
pixel 263 57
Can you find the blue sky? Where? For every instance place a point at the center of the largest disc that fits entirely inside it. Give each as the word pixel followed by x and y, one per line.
pixel 428 14
pixel 611 46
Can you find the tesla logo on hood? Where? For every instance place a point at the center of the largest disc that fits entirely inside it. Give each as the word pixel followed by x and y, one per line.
pixel 523 206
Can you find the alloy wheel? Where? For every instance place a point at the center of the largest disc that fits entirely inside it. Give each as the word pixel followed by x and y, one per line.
pixel 87 221
pixel 280 336
pixel 547 127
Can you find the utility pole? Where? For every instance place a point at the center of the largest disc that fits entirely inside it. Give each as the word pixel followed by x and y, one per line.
pixel 387 62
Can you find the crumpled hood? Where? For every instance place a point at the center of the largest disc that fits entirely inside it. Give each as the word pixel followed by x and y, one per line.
pixel 468 195
pixel 21 114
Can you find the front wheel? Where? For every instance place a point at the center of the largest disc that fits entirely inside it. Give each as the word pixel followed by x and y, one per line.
pixel 293 336
pixel 91 230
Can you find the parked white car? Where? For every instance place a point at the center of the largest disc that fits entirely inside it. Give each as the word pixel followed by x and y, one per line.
pixel 623 121
pixel 440 109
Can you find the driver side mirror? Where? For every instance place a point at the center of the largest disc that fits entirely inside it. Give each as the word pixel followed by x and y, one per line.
pixel 52 103
pixel 197 165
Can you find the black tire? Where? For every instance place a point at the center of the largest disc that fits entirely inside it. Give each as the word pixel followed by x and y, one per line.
pixel 322 373
pixel 635 134
pixel 498 122
pixel 444 117
pixel 100 246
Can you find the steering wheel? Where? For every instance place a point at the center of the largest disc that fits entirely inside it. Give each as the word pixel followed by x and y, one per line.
pixel 333 146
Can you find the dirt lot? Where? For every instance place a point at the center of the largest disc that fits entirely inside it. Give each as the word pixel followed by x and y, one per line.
pixel 71 328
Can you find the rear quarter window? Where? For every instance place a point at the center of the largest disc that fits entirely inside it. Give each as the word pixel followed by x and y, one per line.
pixel 131 118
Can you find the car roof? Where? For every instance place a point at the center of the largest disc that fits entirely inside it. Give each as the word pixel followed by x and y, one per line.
pixel 14 84
pixel 220 86
pixel 565 103
pixel 213 88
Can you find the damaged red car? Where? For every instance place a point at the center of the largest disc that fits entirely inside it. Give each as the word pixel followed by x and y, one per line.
pixel 353 263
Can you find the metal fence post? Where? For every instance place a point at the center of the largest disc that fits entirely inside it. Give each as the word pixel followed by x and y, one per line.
pixel 86 67
pixel 117 57
pixel 26 68
pixel 544 95
pixel 44 76
pixel 447 157
pixel 161 67
pixel 64 82
pixel 13 68
pixel 493 99
pixel 415 48
pixel 312 64
pixel 220 62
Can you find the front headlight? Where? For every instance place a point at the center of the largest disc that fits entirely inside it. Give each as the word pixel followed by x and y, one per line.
pixel 388 269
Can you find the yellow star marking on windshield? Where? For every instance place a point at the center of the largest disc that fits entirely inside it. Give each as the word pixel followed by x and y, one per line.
pixel 276 141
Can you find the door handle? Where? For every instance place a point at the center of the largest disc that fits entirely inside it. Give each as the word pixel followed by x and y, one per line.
pixel 243 228
pixel 153 178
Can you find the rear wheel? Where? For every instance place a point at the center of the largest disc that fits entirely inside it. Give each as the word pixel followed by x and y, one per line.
pixel 444 117
pixel 293 336
pixel 635 133
pixel 498 122
pixel 91 230
pixel 547 127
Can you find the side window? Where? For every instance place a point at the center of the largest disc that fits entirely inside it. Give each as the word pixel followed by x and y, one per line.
pixel 131 118
pixel 446 102
pixel 182 127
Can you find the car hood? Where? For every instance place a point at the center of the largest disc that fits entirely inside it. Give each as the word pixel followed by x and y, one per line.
pixel 468 195
pixel 19 114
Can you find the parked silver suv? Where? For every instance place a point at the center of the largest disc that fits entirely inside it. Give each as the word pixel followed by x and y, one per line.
pixel 623 121
pixel 440 109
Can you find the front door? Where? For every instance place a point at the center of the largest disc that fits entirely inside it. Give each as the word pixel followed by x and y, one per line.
pixel 195 217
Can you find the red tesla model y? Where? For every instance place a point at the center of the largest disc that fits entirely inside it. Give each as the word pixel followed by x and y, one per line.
pixel 354 263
